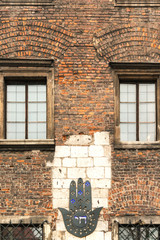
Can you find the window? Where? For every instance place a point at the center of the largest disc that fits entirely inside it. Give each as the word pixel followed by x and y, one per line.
pixel 27 104
pixel 21 231
pixel 137 112
pixel 135 228
pixel 25 109
pixel 139 231
pixel 137 104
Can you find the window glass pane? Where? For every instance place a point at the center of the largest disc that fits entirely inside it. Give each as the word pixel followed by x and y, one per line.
pixel 147 92
pixel 42 117
pixel 15 93
pixel 41 107
pixel 32 117
pixel 32 130
pixel 32 93
pixel 147 112
pixel 41 93
pixel 128 131
pixel 11 96
pixel 15 131
pixel 127 112
pixel 16 111
pixel 127 92
pixel 147 132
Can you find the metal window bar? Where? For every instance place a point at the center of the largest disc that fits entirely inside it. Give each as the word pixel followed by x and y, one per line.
pixel 139 231
pixel 21 231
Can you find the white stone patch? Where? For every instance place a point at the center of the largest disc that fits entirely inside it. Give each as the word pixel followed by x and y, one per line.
pixel 76 173
pixel 102 161
pixel 63 203
pixel 101 138
pixel 108 172
pixel 61 183
pixel 55 163
pixel 95 172
pixel 59 172
pixel 108 236
pixel 69 162
pixel 62 151
pixel 77 151
pixel 85 162
pixel 79 140
pixel 99 202
pixel 85 157
pixel 96 151
pixel 96 236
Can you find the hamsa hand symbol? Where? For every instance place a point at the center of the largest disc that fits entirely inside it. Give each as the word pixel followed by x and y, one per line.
pixel 80 220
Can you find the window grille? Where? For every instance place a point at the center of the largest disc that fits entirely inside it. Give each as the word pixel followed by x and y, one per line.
pixel 21 231
pixel 139 231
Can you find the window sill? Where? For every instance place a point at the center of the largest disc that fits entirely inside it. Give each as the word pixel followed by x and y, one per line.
pixel 27 3
pixel 28 144
pixel 137 145
pixel 133 3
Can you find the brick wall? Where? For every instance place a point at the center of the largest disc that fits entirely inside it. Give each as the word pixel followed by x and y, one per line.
pixel 25 184
pixel 82 37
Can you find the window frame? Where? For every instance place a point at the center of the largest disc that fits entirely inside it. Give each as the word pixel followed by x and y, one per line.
pixel 38 69
pixel 134 3
pixel 25 82
pixel 132 72
pixel 26 3
pixel 137 83
pixel 27 220
pixel 127 220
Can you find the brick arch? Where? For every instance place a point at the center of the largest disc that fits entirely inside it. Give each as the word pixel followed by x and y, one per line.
pixel 138 196
pixel 128 42
pixel 33 39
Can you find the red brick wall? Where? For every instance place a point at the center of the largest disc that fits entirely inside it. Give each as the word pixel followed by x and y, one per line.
pixel 25 184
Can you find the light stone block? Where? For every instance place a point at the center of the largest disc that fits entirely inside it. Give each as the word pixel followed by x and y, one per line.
pixel 60 193
pixel 102 226
pixel 108 172
pixel 61 183
pixel 55 163
pixel 107 151
pixel 95 172
pixel 62 151
pixel 76 173
pixel 79 140
pixel 63 203
pixel 100 202
pixel 69 162
pixel 102 193
pixel 101 138
pixel 96 151
pixel 69 236
pixel 102 161
pixel 59 172
pixel 60 226
pixel 58 235
pixel 85 162
pixel 77 151
pixel 101 183
pixel 108 236
pixel 95 236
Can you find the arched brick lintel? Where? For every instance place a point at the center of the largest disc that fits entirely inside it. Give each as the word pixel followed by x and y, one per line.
pixel 34 39
pixel 135 197
pixel 128 42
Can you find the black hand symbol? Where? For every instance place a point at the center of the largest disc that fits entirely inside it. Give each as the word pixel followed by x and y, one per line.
pixel 80 220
